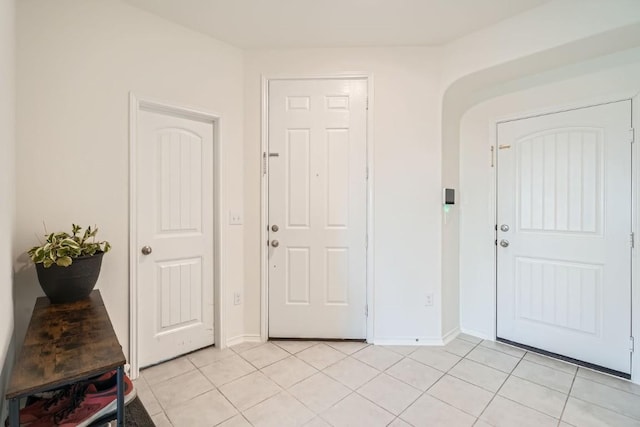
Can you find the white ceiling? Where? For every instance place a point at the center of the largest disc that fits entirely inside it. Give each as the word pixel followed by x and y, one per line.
pixel 335 23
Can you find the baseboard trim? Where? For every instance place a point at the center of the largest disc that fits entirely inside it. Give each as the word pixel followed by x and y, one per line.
pixel 239 339
pixel 450 336
pixel 477 334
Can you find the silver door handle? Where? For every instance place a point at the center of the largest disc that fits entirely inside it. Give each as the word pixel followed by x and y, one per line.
pixel 146 250
pixel 504 243
pixel 275 243
pixel 504 227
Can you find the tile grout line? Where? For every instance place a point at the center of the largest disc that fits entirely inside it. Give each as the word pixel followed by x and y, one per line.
pixel 568 395
pixel 500 388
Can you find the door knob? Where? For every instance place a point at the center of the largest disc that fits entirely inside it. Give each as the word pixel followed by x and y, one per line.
pixel 504 243
pixel 275 243
pixel 275 228
pixel 146 250
pixel 504 227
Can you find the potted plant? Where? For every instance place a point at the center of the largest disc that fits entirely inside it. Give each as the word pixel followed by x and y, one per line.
pixel 68 264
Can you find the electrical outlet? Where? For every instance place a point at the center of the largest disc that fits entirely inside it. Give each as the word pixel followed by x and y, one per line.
pixel 429 300
pixel 235 218
pixel 236 298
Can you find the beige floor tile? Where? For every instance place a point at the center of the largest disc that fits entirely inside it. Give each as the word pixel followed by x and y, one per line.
pixel 237 421
pixel 404 350
pixel 289 371
pixel 535 396
pixel 467 397
pixel 503 412
pixel 281 410
pixel 294 346
pixel 609 380
pixel 320 356
pixel 619 401
pixel 319 392
pixel 355 411
pixel 399 423
pixel 495 359
pixel 250 390
pixel 149 401
pixel 428 411
pixel 226 370
pixel 347 347
pixel 205 410
pixel 264 355
pixel 508 349
pixel 551 362
pixel 470 338
pixel 389 393
pixel 208 356
pixel 164 371
pixel 161 420
pixel 478 374
pixel 584 414
pixel 459 347
pixel 351 372
pixel 415 373
pixel 436 358
pixel 543 375
pixel 242 347
pixel 317 422
pixel 181 389
pixel 377 357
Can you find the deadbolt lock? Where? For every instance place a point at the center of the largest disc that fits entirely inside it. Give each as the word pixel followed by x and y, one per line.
pixel 275 228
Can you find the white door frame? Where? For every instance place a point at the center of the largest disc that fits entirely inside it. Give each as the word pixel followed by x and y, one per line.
pixel 264 199
pixel 635 206
pixel 135 104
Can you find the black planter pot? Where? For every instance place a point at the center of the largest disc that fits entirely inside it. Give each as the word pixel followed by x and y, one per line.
pixel 72 283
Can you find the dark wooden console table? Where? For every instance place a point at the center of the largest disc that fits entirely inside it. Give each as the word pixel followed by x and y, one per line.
pixel 66 343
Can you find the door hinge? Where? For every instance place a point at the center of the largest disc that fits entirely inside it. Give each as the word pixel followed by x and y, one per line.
pixel 367 173
pixel 366 310
pixel 631 345
pixel 633 240
pixel 632 135
pixel 366 241
pixel 264 163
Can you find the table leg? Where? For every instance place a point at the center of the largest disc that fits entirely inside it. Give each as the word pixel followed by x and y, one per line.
pixel 120 398
pixel 14 412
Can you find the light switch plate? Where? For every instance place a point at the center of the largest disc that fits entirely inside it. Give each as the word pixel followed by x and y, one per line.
pixel 235 218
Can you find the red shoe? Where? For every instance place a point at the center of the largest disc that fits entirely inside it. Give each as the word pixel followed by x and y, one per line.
pixel 89 404
pixel 46 408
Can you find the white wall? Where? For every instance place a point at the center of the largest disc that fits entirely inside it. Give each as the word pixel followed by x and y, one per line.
pixel 406 165
pixel 606 77
pixel 7 145
pixel 77 62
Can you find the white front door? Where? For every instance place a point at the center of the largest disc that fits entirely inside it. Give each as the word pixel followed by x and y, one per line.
pixel 174 235
pixel 317 208
pixel 563 233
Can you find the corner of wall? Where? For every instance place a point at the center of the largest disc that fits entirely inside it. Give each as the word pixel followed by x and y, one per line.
pixel 5 372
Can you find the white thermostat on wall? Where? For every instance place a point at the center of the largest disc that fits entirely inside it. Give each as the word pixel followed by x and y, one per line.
pixel 448 196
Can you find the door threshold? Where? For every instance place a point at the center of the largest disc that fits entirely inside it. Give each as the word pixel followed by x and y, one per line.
pixel 584 364
pixel 318 339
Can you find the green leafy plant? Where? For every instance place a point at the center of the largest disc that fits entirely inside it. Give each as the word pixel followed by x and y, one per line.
pixel 61 248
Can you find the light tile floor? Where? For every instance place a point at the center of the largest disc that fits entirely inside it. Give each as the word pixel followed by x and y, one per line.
pixel 469 382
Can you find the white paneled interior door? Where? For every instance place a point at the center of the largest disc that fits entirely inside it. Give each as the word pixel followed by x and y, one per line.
pixel 564 233
pixel 174 235
pixel 317 208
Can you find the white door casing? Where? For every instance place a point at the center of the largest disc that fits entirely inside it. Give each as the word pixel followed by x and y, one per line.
pixel 175 218
pixel 564 191
pixel 318 200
